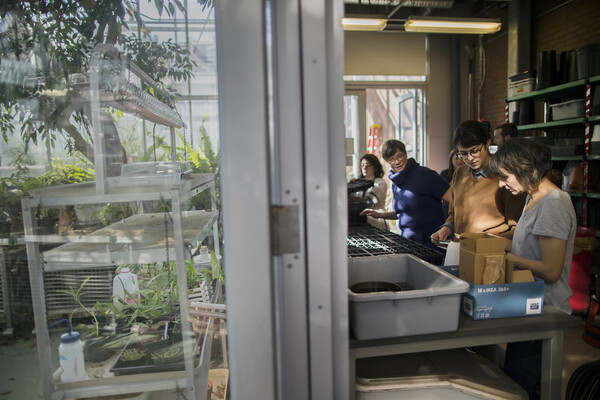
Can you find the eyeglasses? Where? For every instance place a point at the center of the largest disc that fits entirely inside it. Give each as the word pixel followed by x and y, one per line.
pixel 473 153
pixel 396 158
pixel 365 165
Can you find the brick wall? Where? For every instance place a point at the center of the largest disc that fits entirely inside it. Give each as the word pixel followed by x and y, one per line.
pixel 554 27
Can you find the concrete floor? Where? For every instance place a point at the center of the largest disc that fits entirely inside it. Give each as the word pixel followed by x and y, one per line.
pixel 19 373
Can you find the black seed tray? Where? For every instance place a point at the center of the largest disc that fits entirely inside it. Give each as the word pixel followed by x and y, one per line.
pixel 365 240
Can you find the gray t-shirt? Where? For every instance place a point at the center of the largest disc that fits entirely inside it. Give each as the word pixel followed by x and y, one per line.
pixel 553 217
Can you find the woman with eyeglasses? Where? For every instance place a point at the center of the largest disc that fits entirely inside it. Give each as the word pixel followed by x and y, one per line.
pixel 478 204
pixel 417 191
pixel 371 169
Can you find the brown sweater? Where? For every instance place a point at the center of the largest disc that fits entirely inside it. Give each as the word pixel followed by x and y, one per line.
pixel 480 205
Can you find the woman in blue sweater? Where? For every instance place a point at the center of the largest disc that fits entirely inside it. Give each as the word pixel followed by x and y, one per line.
pixel 418 192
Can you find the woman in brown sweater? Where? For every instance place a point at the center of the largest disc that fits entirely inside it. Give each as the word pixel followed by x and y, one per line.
pixel 478 203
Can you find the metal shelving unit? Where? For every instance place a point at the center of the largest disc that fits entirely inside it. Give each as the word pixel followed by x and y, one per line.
pixel 141 238
pixel 5 300
pixel 581 88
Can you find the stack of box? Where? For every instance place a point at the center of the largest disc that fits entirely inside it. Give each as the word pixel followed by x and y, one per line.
pixel 497 289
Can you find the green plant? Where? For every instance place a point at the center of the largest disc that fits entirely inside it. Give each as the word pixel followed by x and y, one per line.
pixel 132 354
pixel 77 294
pixel 158 294
pixel 110 212
pixel 63 173
pixel 61 37
pixel 215 272
pixel 10 200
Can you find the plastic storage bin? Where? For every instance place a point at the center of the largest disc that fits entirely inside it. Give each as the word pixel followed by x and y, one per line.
pixel 524 83
pixel 581 265
pixel 568 109
pixel 433 306
pixel 450 375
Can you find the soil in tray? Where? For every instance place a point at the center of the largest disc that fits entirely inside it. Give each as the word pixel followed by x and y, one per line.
pixel 159 356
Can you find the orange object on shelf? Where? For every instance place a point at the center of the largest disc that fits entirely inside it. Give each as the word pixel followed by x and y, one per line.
pixel 374 140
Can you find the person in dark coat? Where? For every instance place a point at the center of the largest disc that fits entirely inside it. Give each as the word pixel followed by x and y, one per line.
pixel 417 191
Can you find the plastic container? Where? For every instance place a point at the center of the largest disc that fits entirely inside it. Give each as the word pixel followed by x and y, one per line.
pixel 521 87
pixel 70 354
pixel 125 288
pixel 450 375
pixel 202 260
pixel 568 109
pixel 432 307
pixel 579 279
pixel 588 61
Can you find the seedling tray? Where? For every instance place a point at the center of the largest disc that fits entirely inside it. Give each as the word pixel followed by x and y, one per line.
pixel 365 240
pixel 148 363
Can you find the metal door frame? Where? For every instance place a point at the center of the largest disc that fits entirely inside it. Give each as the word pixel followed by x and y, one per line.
pixel 282 147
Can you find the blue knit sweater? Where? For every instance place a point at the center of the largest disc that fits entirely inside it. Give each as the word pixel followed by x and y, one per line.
pixel 417 201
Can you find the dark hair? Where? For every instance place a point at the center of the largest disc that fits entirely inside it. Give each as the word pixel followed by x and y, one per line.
pixel 450 164
pixel 390 147
pixel 471 133
pixel 374 161
pixel 508 129
pixel 527 159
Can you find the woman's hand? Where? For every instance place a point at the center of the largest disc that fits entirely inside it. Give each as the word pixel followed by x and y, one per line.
pixel 379 214
pixel 371 212
pixel 442 234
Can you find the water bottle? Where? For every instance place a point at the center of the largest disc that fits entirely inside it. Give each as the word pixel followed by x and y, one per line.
pixel 70 355
pixel 202 260
pixel 125 288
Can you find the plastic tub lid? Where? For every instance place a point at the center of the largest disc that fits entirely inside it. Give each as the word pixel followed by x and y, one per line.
pixel 585 232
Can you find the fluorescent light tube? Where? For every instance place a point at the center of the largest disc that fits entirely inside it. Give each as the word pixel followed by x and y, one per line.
pixel 452 25
pixel 363 24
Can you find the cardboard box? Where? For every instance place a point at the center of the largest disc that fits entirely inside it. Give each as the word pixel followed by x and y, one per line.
pixel 481 259
pixel 502 300
pixel 480 268
pixel 482 243
pixel 516 276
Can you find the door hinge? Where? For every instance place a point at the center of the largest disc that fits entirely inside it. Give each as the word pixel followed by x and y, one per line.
pixel 285 232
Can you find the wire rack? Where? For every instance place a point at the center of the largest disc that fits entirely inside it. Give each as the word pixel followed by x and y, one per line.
pixel 97 289
pixel 365 240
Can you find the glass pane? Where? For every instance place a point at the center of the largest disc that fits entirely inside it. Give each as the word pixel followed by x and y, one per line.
pixel 352 135
pixel 397 113
pixel 117 147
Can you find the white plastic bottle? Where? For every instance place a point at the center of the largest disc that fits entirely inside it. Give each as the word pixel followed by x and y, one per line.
pixel 125 288
pixel 202 260
pixel 70 354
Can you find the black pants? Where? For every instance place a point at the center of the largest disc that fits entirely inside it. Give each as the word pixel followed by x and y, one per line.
pixel 523 364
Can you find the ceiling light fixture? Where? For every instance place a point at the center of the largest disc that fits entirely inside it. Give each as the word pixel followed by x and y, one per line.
pixel 363 24
pixel 452 25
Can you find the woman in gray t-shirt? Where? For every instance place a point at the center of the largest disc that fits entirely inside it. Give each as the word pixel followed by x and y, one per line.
pixel 544 236
pixel 542 242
